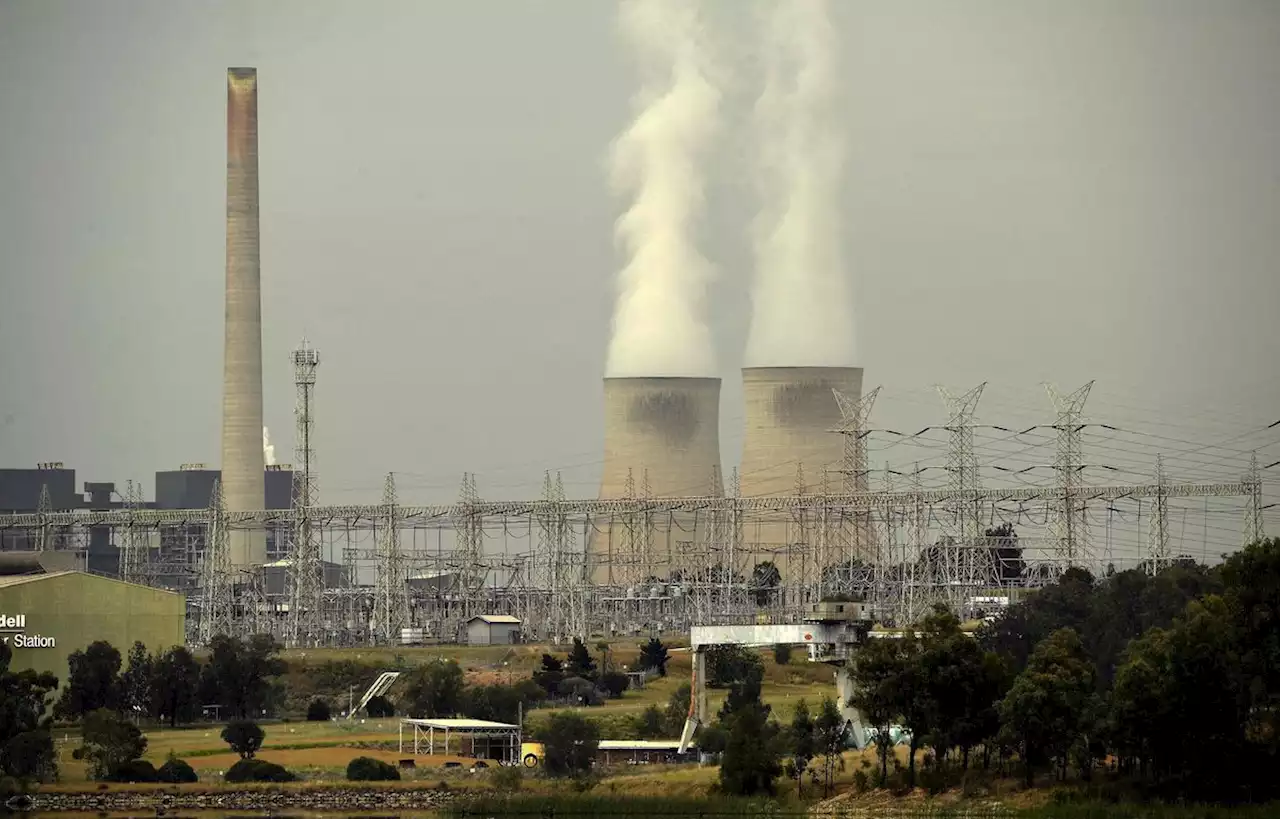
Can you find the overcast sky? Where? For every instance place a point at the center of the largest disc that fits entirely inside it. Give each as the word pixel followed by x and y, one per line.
pixel 1036 191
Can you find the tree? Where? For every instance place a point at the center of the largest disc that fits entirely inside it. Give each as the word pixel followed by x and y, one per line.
pixel 379 707
pixel 1251 580
pixel 801 737
pixel 93 682
pixel 653 657
pixel 435 689
pixel 603 648
pixel 677 710
pixel 29 757
pixel 831 735
pixel 24 697
pixel 569 743
pixel 650 724
pixel 240 675
pixel 877 666
pixel 108 742
pixel 782 654
pixel 549 676
pixel 135 683
pixel 766 579
pixel 318 711
pixel 579 662
pixel 244 737
pixel 1043 712
pixel 1024 625
pixel 728 664
pixel 175 686
pixel 614 683
pixel 751 759
pixel 1006 554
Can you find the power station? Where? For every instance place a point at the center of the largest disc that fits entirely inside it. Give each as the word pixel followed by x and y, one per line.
pixel 661 547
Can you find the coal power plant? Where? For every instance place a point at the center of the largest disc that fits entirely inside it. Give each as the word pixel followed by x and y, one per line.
pixel 243 489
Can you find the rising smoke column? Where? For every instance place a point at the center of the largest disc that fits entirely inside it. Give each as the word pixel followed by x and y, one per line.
pixel 801 310
pixel 268 448
pixel 660 317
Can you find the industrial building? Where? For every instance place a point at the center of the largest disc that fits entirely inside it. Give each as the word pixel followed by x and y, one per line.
pixel 493 630
pixel 52 487
pixel 48 612
pixel 180 550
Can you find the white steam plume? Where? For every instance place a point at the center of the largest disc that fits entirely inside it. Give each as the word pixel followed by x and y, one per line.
pixel 660 317
pixel 801 310
pixel 268 449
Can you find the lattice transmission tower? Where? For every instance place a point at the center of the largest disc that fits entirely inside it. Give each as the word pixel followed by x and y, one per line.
pixel 857 537
pixel 1068 522
pixel 133 550
pixel 306 569
pixel 964 564
pixel 216 588
pixel 1253 528
pixel 1158 533
pixel 391 597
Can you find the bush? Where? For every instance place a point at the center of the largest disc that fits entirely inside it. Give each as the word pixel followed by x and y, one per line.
pixel 368 769
pixel 257 770
pixel 136 770
pixel 318 711
pixel 506 779
pixel 614 683
pixel 782 654
pixel 379 707
pixel 244 737
pixel 177 771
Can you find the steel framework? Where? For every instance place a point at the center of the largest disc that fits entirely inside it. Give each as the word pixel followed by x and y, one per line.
pixel 305 568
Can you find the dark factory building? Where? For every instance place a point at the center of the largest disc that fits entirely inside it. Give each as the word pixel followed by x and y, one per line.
pixel 191 487
pixel 20 493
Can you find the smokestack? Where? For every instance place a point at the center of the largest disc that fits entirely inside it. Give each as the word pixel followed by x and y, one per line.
pixel 665 431
pixel 243 464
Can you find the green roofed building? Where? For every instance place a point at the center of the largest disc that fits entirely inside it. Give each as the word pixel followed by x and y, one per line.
pixel 46 614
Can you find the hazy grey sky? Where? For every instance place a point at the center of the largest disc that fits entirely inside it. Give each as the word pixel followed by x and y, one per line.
pixel 1036 191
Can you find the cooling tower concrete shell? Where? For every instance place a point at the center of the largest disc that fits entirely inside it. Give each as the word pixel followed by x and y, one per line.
pixel 665 430
pixel 662 434
pixel 243 487
pixel 790 414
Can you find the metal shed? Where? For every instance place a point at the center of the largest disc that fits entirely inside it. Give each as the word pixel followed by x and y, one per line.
pixel 493 630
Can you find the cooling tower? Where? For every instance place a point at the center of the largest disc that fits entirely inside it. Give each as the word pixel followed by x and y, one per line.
pixel 790 414
pixel 243 485
pixel 665 428
pixel 663 434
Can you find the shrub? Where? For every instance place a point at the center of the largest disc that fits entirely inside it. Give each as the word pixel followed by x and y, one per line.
pixel 506 779
pixel 379 707
pixel 782 654
pixel 244 737
pixel 318 711
pixel 368 769
pixel 177 771
pixel 135 770
pixel 614 683
pixel 257 770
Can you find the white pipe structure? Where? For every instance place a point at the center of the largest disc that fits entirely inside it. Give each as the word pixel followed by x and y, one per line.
pixel 828 641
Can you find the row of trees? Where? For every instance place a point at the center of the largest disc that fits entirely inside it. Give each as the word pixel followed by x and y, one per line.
pixel 239 679
pixel 1171 680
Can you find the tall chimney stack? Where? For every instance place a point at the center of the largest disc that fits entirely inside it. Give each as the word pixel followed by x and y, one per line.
pixel 243 485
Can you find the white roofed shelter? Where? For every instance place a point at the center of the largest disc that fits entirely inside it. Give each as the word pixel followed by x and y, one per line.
pixel 493 630
pixel 501 740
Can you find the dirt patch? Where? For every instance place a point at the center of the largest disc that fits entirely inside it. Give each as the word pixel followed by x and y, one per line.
pixel 334 757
